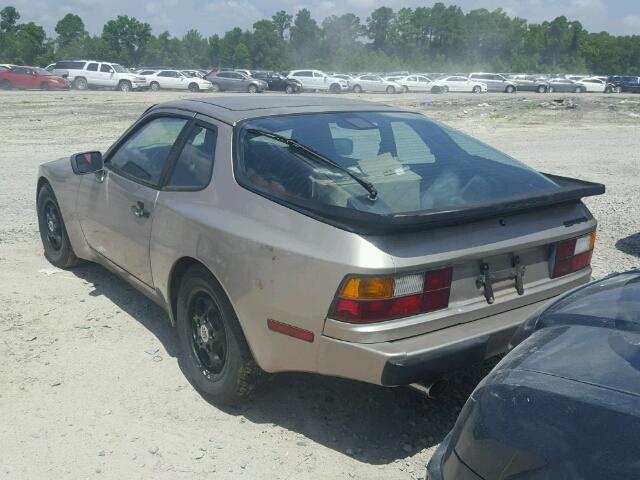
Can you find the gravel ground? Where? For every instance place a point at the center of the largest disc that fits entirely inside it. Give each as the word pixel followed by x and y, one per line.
pixel 90 382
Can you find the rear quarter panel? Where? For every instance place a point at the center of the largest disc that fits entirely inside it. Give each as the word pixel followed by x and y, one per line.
pixel 273 263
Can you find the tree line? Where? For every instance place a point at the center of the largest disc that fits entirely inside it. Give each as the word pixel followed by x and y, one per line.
pixel 436 38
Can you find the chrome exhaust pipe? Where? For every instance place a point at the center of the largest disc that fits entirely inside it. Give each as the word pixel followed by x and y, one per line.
pixel 433 389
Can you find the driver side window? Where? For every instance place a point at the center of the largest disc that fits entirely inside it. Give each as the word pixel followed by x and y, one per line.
pixel 143 156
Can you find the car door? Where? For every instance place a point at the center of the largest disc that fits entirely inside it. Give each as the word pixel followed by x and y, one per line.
pixel 92 74
pixel 424 83
pixel 459 84
pixel 305 77
pixel 116 206
pixel 107 75
pixel 320 81
pixel 22 78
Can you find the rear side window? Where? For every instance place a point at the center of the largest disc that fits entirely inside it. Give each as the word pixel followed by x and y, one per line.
pixel 304 73
pixel 70 65
pixel 144 155
pixel 195 164
pixel 92 67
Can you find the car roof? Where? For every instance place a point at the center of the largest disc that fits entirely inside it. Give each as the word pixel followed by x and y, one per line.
pixel 233 109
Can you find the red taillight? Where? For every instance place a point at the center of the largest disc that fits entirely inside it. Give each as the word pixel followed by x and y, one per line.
pixel 573 255
pixel 411 294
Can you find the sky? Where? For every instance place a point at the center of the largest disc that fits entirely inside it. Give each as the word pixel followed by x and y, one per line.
pixel 217 16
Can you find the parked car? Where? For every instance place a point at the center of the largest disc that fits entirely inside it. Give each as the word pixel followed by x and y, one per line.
pixel 458 83
pixel 443 245
pixel 417 83
pixel 592 84
pixel 374 83
pixel 58 72
pixel 193 73
pixel 575 77
pixel 566 85
pixel 175 80
pixel 237 82
pixel 627 83
pixel 85 74
pixel 565 403
pixel 316 80
pixel 31 78
pixel 278 82
pixel 344 76
pixel 530 83
pixel 494 82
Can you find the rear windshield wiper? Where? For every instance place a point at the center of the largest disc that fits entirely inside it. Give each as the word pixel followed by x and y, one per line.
pixel 373 193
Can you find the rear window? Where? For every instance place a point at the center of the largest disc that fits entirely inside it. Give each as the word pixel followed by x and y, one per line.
pixel 414 164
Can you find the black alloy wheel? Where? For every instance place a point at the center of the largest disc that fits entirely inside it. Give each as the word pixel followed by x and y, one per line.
pixel 209 342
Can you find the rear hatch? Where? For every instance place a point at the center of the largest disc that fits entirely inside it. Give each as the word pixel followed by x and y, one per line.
pixel 497 264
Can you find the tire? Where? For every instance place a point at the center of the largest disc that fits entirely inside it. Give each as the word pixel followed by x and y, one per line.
pixel 541 89
pixel 550 90
pixel 357 89
pixel 618 89
pixel 289 89
pixel 81 83
pixel 578 90
pixel 445 89
pixel 405 89
pixel 124 86
pixel 194 88
pixel 44 86
pixel 154 86
pixel 252 89
pixel 436 89
pixel 214 355
pixel 6 85
pixel 476 89
pixel 335 88
pixel 53 233
pixel 510 89
pixel 391 89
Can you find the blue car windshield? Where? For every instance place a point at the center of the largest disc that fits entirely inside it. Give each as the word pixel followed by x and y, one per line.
pixel 413 164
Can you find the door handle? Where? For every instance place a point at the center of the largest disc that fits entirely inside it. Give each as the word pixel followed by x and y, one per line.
pixel 139 211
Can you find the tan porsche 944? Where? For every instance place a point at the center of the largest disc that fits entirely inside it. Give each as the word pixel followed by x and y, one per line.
pixel 319 234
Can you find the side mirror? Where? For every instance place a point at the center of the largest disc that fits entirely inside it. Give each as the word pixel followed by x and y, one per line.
pixel 343 146
pixel 87 162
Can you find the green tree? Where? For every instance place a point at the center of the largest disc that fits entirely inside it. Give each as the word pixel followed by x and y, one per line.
pixel 266 45
pixel 9 17
pixel 126 39
pixel 379 28
pixel 282 21
pixel 70 29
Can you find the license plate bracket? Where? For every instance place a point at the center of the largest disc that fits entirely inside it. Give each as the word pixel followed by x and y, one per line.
pixel 487 278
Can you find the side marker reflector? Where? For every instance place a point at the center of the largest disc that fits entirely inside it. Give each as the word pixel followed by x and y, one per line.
pixel 290 330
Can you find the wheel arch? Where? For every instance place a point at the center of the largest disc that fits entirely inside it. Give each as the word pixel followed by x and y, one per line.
pixel 176 275
pixel 42 181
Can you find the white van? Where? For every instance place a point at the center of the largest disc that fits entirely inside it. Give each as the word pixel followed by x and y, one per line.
pixel 85 74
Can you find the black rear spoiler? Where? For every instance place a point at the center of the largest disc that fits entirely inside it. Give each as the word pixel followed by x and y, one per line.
pixel 571 191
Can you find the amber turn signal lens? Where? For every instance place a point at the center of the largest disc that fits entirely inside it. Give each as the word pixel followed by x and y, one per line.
pixel 368 289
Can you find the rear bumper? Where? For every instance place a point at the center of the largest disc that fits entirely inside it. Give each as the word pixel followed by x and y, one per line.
pixel 424 357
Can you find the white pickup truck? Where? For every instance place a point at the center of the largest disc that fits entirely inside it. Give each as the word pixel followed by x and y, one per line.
pixel 85 74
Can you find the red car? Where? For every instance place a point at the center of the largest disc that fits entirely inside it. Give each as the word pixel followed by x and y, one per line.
pixel 31 78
